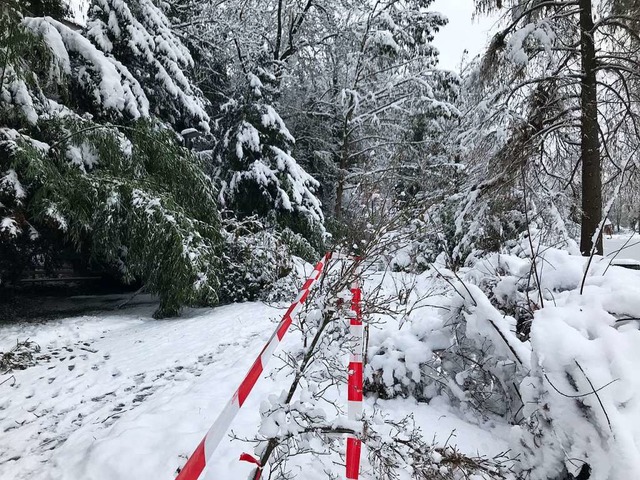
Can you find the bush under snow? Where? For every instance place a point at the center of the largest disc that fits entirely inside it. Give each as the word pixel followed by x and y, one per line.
pixel 556 362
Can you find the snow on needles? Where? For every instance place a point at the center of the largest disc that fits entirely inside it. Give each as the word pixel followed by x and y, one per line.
pixel 110 83
pixel 149 38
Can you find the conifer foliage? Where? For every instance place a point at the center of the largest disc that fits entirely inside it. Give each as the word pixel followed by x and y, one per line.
pixel 88 168
pixel 138 34
pixel 257 172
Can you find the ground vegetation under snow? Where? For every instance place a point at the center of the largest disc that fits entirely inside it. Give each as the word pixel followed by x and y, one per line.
pixel 482 362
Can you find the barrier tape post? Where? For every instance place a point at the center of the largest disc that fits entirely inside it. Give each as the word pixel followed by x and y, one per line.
pixel 354 387
pixel 200 457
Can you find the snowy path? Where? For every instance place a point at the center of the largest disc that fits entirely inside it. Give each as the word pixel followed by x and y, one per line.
pixel 122 396
pixel 629 252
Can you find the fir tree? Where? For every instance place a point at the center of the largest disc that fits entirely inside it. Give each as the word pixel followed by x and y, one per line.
pixel 138 34
pixel 125 196
pixel 254 164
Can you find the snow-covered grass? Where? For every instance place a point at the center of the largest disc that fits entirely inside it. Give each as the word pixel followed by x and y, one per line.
pixel 120 396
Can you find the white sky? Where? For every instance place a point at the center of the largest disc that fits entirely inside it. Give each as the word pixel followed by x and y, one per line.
pixel 462 33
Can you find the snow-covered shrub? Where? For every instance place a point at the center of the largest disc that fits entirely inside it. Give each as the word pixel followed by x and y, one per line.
pixel 285 289
pixel 473 348
pixel 254 259
pixel 470 352
pixel 581 397
pixel 417 243
pixel 517 335
pixel 300 246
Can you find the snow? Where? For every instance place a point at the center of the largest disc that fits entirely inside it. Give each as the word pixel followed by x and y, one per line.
pixel 115 87
pixel 22 99
pixel 581 339
pixel 255 83
pixel 580 387
pixel 440 422
pixel 578 348
pixel 517 44
pixel 384 39
pixel 146 34
pixel 189 132
pixel 54 213
pixel 271 119
pixel 9 226
pixel 11 182
pixel 84 156
pixel 126 396
pixel 624 246
pixel 248 137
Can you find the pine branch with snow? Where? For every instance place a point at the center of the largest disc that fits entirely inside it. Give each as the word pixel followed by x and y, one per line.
pixel 139 35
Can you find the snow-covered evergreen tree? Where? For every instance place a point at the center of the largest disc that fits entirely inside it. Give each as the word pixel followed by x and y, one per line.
pixel 250 149
pixel 138 34
pixel 257 172
pixel 125 195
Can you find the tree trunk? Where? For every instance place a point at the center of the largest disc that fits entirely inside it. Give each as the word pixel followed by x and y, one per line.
pixel 590 140
pixel 342 171
pixel 337 213
pixel 344 161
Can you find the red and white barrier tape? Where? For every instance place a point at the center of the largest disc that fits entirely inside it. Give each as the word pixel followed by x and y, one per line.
pixel 198 460
pixel 354 387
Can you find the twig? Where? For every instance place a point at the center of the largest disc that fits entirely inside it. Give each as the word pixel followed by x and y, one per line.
pixel 453 286
pixel 128 301
pixel 475 304
pixel 618 253
pixel 533 254
pixel 7 379
pixel 595 392
pixel 581 395
pixel 506 341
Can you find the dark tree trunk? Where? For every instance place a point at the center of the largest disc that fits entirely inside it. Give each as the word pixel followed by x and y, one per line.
pixel 590 140
pixel 342 170
pixel 344 161
pixel 337 211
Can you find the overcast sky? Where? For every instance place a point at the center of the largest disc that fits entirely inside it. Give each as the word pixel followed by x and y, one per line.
pixel 462 32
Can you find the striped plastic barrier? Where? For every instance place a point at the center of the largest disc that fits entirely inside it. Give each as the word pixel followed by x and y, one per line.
pixel 197 463
pixel 354 383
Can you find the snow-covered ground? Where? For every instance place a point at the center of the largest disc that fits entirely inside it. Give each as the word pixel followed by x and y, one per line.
pixel 122 396
pixel 627 244
pixel 119 395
